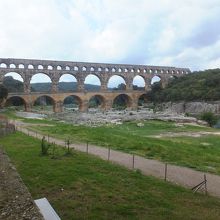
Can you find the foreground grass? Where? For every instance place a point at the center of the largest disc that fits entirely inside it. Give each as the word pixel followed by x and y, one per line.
pixel 85 187
pixel 201 153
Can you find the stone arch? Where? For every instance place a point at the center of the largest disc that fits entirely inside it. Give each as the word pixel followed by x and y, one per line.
pixel 84 68
pixel 67 68
pixel 97 101
pixel 30 66
pixel 21 66
pixel 122 101
pixel 116 82
pixel 3 65
pixel 50 67
pixel 142 100
pixel 14 82
pixel 59 67
pixel 92 69
pixel 44 103
pixel 76 68
pixel 67 83
pixel 138 82
pixel 40 67
pixel 92 82
pixel 16 101
pixel 12 66
pixel 155 78
pixel 113 69
pixel 40 82
pixel 72 103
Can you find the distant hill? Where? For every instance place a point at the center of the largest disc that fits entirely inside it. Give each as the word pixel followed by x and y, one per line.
pixel 63 86
pixel 197 86
pixel 14 85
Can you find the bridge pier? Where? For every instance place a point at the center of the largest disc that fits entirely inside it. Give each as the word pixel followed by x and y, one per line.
pixel 58 106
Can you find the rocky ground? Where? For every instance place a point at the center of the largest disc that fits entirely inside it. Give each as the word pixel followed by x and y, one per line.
pixel 15 200
pixel 95 117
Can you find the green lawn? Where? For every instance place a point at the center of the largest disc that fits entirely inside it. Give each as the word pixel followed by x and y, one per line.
pixel 201 153
pixel 85 187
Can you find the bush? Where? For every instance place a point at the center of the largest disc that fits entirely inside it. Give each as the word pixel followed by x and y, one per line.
pixel 209 117
pixel 44 146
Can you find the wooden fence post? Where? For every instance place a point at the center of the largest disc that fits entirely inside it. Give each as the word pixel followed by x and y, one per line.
pixel 133 161
pixel 165 175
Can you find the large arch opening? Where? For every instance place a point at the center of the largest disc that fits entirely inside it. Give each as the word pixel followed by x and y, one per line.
pixel 92 83
pixel 67 83
pixel 143 101
pixel 72 103
pixel 116 83
pixel 155 79
pixel 121 102
pixel 40 82
pixel 44 104
pixel 138 83
pixel 96 102
pixel 16 102
pixel 13 82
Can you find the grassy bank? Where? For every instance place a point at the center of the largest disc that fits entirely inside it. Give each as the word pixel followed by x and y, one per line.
pixel 85 187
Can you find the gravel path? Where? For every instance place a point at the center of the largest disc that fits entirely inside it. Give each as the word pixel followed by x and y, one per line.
pixel 179 175
pixel 15 199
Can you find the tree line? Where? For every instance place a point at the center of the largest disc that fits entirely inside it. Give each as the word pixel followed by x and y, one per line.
pixel 197 86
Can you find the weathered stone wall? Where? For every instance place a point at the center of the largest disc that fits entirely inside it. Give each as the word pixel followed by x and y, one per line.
pixel 191 107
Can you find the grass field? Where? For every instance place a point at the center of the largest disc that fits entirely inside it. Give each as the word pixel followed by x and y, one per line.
pixel 201 153
pixel 85 187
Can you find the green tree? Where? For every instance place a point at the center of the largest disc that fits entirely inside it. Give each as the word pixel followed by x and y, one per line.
pixel 210 118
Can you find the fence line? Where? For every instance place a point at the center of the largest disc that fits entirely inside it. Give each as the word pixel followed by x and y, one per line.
pixel 158 169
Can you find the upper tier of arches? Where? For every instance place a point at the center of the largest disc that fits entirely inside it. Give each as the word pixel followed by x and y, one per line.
pixel 49 65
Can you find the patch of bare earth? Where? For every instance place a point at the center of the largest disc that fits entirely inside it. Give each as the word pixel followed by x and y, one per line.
pixel 185 134
pixel 15 200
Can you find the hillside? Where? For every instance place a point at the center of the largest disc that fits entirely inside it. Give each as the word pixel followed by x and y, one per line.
pixel 63 86
pixel 14 85
pixel 198 86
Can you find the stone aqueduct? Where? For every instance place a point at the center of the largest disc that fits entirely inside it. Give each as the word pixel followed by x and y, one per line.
pixel 27 68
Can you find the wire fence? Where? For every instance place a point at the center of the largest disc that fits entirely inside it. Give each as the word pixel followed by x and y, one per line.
pixel 192 179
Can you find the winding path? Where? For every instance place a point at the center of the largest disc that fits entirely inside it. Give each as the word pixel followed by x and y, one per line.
pixel 179 175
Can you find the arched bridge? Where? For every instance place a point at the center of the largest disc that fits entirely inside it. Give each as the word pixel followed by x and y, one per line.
pixel 27 68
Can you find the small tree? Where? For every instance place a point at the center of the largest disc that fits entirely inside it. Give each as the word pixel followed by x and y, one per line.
pixel 210 118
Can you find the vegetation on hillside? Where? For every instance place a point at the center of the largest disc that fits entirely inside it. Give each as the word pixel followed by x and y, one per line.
pixel 197 86
pixel 13 85
pixel 85 187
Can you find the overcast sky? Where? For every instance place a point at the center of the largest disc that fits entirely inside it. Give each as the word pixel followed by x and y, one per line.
pixel 182 33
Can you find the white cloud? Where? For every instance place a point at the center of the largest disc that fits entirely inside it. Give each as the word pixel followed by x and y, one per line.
pixel 163 32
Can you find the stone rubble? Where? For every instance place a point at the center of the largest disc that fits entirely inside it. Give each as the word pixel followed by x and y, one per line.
pixel 98 118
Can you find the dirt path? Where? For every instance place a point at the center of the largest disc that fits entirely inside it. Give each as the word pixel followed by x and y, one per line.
pixel 179 175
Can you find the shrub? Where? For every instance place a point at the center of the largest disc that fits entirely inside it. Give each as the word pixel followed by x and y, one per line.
pixel 44 146
pixel 209 117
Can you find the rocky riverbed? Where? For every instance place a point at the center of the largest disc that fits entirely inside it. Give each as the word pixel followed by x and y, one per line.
pixel 96 118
